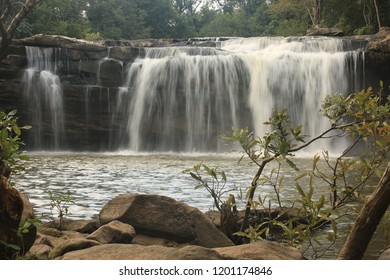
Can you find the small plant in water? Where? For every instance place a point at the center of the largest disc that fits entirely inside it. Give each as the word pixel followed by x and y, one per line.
pixel 60 203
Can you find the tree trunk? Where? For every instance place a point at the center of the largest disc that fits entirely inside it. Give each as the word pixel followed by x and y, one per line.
pixel 7 32
pixel 378 17
pixel 367 221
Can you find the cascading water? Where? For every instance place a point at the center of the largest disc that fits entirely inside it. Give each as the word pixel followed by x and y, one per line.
pixel 296 74
pixel 182 99
pixel 43 90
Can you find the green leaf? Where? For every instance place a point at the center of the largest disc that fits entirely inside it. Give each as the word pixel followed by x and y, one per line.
pixel 300 190
pixel 199 186
pixel 16 129
pixel 196 177
pixel 292 164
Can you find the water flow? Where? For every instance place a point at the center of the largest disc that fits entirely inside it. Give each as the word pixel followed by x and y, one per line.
pixel 183 99
pixel 43 89
pixel 297 74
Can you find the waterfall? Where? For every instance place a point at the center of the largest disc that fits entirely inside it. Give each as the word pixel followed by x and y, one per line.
pixel 184 98
pixel 296 74
pixel 44 92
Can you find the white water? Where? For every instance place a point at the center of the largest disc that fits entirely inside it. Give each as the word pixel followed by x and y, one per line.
pixel 295 74
pixel 185 99
pixel 182 99
pixel 43 89
pixel 240 85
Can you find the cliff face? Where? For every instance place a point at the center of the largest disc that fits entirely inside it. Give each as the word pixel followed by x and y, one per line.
pixel 90 75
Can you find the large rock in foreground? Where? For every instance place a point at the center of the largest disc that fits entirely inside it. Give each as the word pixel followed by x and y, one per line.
pixel 164 217
pixel 262 250
pixel 139 252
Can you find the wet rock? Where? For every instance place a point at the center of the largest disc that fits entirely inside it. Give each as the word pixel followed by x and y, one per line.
pixel 164 217
pixel 113 232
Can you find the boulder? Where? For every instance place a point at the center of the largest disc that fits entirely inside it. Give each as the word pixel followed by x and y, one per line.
pixel 14 209
pixel 138 252
pixel 262 250
pixel 164 217
pixel 385 255
pixel 59 239
pixel 72 245
pixel 39 252
pixel 145 240
pixel 82 226
pixel 113 232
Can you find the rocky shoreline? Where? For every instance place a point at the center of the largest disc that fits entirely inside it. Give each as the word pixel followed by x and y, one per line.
pixel 149 227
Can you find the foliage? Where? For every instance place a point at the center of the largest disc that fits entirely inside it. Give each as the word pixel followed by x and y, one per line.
pixel 24 228
pixel 60 203
pixel 211 179
pixel 362 117
pixel 12 14
pixel 10 141
pixel 57 17
pixel 118 19
pixel 136 19
pixel 93 36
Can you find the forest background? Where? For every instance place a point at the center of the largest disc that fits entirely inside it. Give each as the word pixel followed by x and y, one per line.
pixel 137 19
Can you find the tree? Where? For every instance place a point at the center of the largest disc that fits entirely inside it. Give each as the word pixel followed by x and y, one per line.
pixel 314 8
pixel 163 20
pixel 368 220
pixel 118 19
pixel 364 118
pixel 57 17
pixel 12 14
pixel 187 6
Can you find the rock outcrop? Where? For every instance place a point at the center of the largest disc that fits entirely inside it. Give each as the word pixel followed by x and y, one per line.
pixel 164 217
pixel 378 50
pixel 324 31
